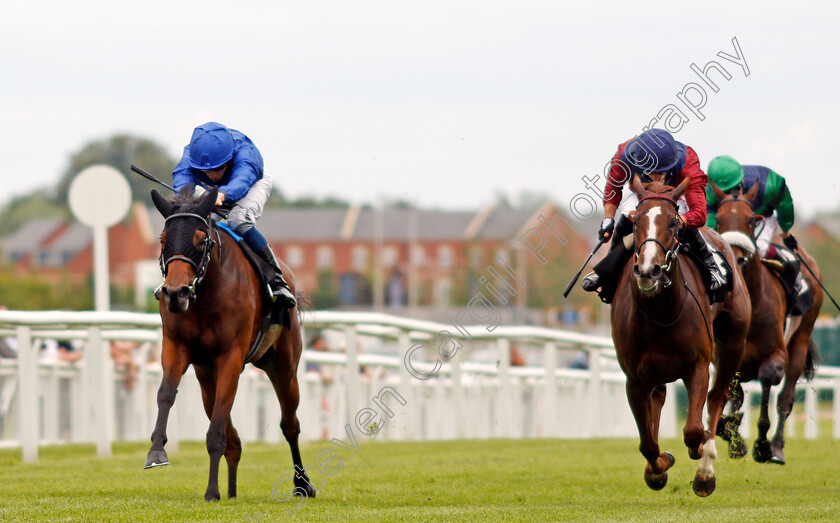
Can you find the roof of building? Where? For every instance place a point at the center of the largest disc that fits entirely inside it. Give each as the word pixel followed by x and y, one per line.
pixel 30 235
pixel 407 224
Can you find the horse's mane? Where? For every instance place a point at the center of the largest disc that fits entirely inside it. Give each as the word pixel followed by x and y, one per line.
pixel 185 196
pixel 658 187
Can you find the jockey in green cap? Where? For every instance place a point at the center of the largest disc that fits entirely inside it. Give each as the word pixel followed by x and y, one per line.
pixel 772 201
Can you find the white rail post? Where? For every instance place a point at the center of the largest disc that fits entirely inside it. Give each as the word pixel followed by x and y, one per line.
pixel 549 418
pixel 353 383
pixel 51 405
pixel 458 397
pixel 811 429
pixel 594 392
pixel 504 419
pixel 836 411
pixel 28 411
pixel 747 409
pixel 99 390
pixel 410 423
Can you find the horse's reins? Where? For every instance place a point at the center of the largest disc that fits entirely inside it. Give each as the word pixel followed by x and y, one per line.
pixel 670 256
pixel 200 269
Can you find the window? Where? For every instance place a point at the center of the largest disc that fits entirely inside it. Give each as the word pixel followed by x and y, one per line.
pixel 294 256
pixel 324 257
pixel 389 256
pixel 445 256
pixel 418 255
pixel 360 257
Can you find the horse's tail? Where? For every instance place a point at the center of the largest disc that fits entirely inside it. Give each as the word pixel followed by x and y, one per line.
pixel 811 360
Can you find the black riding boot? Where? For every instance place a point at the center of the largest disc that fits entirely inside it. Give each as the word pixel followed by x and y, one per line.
pixel 715 275
pixel 281 294
pixel 799 294
pixel 606 272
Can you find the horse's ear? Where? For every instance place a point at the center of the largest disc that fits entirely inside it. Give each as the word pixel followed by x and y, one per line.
pixel 719 195
pixel 163 205
pixel 752 193
pixel 637 186
pixel 680 189
pixel 208 201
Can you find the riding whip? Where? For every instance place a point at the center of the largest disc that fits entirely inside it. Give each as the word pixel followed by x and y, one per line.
pixel 575 279
pixel 151 177
pixel 818 280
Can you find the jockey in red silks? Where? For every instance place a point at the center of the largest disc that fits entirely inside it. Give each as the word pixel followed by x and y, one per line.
pixel 228 159
pixel 654 156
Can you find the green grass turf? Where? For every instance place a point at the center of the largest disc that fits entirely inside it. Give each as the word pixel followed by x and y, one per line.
pixel 534 480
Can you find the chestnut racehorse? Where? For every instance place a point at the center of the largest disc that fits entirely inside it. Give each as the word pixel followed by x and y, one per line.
pixel 212 310
pixel 769 355
pixel 663 328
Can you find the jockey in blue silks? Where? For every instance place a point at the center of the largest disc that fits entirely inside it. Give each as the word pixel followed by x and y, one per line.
pixel 228 159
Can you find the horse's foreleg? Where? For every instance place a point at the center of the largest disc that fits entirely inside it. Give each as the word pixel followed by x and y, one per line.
pixel 728 427
pixel 227 379
pixel 641 403
pixel 175 360
pixel 233 449
pixel 769 374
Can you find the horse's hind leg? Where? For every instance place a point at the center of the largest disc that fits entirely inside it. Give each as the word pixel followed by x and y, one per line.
pixel 233 451
pixel 769 374
pixel 796 364
pixel 728 427
pixel 175 361
pixel 285 385
pixel 697 383
pixel 644 402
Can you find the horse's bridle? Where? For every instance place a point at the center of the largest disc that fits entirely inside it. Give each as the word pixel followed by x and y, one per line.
pixel 737 199
pixel 670 253
pixel 199 268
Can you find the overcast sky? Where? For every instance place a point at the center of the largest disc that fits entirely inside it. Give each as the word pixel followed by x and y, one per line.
pixel 444 103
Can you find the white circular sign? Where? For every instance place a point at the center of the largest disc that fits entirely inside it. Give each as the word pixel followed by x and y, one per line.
pixel 99 196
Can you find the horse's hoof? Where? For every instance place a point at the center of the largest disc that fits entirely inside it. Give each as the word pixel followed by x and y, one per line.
pixel 762 451
pixel 778 457
pixel 737 448
pixel 703 487
pixel 212 497
pixel 658 481
pixel 306 487
pixel 156 458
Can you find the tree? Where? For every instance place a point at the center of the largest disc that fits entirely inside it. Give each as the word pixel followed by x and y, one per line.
pixel 120 151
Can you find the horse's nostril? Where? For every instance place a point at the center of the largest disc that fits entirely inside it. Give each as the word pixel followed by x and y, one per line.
pixel 183 293
pixel 636 271
pixel 656 272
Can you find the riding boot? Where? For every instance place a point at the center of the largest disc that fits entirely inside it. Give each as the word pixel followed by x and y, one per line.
pixel 796 287
pixel 715 275
pixel 281 294
pixel 609 270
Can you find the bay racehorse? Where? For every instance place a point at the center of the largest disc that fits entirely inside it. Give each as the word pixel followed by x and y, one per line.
pixel 663 328
pixel 212 310
pixel 769 354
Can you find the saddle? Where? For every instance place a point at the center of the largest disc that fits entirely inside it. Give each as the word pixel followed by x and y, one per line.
pixel 276 315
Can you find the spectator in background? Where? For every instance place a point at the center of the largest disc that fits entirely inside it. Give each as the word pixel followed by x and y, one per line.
pixel 122 352
pixel 517 359
pixel 580 361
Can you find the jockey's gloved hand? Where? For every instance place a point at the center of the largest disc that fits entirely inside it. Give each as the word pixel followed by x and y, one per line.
pixel 606 230
pixel 790 242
